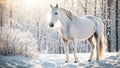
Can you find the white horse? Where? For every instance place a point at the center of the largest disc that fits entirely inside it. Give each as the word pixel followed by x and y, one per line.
pixel 75 28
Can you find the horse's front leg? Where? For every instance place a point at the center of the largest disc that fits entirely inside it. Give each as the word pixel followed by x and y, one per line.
pixel 75 50
pixel 66 49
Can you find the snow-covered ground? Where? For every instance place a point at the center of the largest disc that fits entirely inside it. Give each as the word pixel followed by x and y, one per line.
pixel 112 60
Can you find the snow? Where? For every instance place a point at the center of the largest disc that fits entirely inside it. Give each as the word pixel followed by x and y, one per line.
pixel 112 60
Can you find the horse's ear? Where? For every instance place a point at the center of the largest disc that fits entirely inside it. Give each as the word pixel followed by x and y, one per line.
pixel 51 6
pixel 56 5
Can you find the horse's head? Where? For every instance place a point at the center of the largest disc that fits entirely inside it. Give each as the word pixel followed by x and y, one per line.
pixel 54 15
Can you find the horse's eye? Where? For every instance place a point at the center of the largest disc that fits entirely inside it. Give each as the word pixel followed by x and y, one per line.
pixel 56 13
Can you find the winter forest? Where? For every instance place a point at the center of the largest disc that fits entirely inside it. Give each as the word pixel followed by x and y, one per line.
pixel 25 31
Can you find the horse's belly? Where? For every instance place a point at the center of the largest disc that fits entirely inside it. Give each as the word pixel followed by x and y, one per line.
pixel 85 32
pixel 84 35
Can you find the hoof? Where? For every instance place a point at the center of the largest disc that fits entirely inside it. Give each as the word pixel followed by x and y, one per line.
pixel 75 61
pixel 89 60
pixel 66 61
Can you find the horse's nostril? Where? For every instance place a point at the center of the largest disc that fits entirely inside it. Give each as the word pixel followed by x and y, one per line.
pixel 51 25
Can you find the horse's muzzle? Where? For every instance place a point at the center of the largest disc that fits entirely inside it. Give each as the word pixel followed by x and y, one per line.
pixel 51 25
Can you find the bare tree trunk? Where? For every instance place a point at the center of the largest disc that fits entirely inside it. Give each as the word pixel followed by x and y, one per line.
pixel 95 7
pixel 108 25
pixel 72 5
pixel 38 38
pixel 86 2
pixel 11 12
pixel 1 13
pixel 1 10
pixel 102 9
pixel 117 26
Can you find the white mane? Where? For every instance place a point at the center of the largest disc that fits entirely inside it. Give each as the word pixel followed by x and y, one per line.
pixel 70 14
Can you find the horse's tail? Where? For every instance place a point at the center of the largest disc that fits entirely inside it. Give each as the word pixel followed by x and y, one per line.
pixel 101 47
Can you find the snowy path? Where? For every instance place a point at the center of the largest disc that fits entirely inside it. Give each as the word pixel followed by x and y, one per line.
pixel 57 61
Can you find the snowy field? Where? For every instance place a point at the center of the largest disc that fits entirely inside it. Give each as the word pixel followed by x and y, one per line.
pixel 112 60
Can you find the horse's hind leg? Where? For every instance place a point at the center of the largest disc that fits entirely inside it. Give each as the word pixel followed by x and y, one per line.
pixel 66 49
pixel 97 37
pixel 93 48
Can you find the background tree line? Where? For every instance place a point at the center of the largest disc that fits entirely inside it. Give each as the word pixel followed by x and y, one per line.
pixel 31 20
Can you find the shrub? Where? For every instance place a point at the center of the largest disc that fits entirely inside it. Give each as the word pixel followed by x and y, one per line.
pixel 17 42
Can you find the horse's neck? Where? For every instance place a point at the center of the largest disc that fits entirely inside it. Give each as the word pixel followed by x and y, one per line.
pixel 65 21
